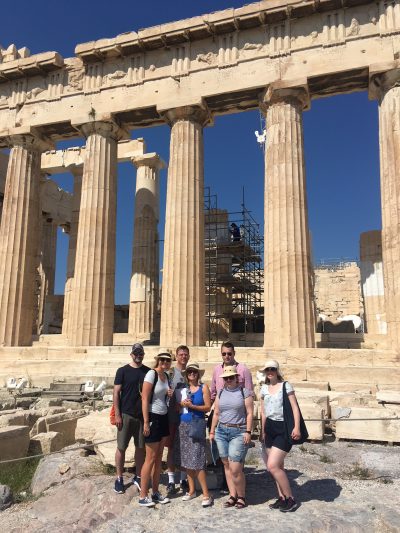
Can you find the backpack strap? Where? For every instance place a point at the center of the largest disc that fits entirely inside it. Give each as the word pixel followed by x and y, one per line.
pixel 153 387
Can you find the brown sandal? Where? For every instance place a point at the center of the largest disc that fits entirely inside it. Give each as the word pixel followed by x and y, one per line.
pixel 240 504
pixel 230 502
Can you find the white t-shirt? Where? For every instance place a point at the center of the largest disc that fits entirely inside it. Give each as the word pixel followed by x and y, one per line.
pixel 273 403
pixel 159 404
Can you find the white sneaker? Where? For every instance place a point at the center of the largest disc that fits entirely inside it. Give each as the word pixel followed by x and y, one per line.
pixel 189 496
pixel 207 502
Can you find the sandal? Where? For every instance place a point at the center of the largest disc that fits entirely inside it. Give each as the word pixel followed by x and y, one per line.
pixel 240 502
pixel 230 502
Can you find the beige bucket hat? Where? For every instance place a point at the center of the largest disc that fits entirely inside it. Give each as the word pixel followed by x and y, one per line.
pixel 229 371
pixel 194 366
pixel 271 363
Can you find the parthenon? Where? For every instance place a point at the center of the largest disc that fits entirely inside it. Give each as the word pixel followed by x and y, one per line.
pixel 274 56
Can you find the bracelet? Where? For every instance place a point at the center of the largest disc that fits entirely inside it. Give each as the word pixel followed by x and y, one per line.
pixel 249 432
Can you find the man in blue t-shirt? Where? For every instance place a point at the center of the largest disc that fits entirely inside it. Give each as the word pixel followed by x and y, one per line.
pixel 127 400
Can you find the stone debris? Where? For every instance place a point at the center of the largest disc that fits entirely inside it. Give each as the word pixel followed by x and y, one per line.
pixel 6 497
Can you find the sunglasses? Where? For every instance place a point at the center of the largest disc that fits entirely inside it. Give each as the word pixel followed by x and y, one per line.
pixel 271 369
pixel 229 378
pixel 227 353
pixel 192 372
pixel 164 360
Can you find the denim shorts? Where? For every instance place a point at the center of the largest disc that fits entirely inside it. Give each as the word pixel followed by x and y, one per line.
pixel 230 443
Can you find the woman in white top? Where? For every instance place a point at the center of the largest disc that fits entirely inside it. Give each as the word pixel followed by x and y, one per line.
pixel 155 398
pixel 274 433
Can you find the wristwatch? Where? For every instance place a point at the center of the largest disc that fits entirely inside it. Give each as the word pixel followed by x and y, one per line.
pixel 249 432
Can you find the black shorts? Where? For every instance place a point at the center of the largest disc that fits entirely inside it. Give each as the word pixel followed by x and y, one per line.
pixel 275 435
pixel 159 427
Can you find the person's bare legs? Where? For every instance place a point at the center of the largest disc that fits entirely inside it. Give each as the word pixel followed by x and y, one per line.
pixel 229 481
pixel 191 480
pixel 139 460
pixel 237 477
pixel 201 476
pixel 276 458
pixel 170 445
pixel 157 464
pixel 119 462
pixel 147 468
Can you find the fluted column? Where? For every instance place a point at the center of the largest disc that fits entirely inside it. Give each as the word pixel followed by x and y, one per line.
pixel 145 256
pixel 77 172
pixel 92 304
pixel 388 94
pixel 47 263
pixel 19 240
pixel 289 316
pixel 183 285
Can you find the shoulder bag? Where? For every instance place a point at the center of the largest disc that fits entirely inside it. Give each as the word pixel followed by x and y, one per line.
pixel 289 419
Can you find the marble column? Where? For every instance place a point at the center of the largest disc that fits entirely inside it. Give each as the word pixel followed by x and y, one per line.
pixel 387 91
pixel 183 283
pixel 47 263
pixel 289 316
pixel 145 258
pixel 77 172
pixel 19 240
pixel 92 319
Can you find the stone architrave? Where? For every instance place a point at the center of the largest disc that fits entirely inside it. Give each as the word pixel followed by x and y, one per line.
pixel 145 258
pixel 93 286
pixel 183 285
pixel 19 240
pixel 289 316
pixel 386 88
pixel 77 172
pixel 47 263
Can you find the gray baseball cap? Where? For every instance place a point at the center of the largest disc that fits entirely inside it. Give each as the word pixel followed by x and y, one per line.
pixel 137 349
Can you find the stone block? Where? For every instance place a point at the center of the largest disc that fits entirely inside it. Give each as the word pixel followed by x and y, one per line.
pixel 315 428
pixel 388 396
pixel 313 397
pixel 14 442
pixel 45 443
pixel 373 430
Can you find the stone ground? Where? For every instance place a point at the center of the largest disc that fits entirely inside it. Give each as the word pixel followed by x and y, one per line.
pixel 327 479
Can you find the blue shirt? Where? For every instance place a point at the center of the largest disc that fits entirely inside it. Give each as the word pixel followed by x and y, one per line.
pixel 196 398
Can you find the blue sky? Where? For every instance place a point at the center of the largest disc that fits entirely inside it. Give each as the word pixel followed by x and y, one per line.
pixel 340 134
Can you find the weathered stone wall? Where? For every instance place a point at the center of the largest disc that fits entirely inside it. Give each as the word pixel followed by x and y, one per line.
pixel 337 290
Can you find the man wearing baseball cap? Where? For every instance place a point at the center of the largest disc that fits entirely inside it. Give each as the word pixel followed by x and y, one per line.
pixel 128 414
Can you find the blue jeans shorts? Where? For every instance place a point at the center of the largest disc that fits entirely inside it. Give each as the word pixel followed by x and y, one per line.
pixel 230 443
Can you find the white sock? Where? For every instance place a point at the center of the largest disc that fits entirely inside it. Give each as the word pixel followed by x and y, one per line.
pixel 183 476
pixel 171 477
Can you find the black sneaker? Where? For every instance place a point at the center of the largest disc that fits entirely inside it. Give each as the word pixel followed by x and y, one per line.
pixel 171 489
pixel 119 486
pixel 277 504
pixel 184 486
pixel 289 505
pixel 136 482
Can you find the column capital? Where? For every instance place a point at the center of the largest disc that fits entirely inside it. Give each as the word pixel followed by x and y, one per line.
pixel 105 128
pixel 195 113
pixel 382 77
pixel 30 141
pixel 295 91
pixel 151 160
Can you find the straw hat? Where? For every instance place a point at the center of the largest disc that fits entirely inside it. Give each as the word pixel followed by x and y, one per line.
pixel 271 363
pixel 229 371
pixel 194 366
pixel 165 355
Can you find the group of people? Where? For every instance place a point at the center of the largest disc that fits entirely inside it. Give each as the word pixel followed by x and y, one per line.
pixel 166 407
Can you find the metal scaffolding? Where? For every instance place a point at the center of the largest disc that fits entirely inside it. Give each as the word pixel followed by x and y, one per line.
pixel 233 270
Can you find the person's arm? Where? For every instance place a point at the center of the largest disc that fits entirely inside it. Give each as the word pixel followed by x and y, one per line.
pixel 146 393
pixel 213 385
pixel 116 401
pixel 215 418
pixel 207 402
pixel 248 380
pixel 249 404
pixel 263 417
pixel 296 434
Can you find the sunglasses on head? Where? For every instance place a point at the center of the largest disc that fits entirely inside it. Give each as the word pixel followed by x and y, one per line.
pixel 229 378
pixel 271 369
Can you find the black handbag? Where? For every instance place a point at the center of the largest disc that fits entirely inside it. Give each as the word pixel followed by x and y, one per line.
pixel 288 419
pixel 197 429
